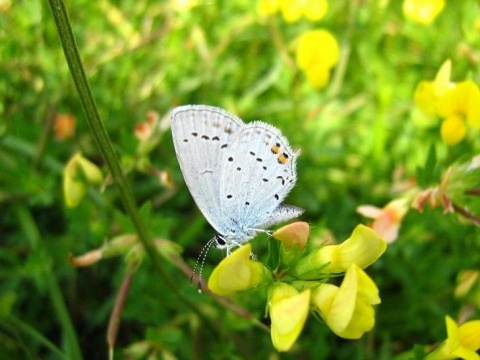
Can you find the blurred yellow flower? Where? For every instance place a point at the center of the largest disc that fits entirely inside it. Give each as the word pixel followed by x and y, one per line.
pixel 237 272
pixel 462 342
pixel 363 248
pixel 347 310
pixel 422 11
pixel 293 10
pixel 317 53
pixel 456 103
pixel 386 221
pixel 77 174
pixel 288 310
pixel 268 7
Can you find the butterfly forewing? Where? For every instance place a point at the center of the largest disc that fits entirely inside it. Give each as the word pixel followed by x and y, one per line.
pixel 201 134
pixel 258 171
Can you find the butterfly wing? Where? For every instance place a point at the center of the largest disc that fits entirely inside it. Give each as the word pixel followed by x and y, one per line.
pixel 258 171
pixel 200 135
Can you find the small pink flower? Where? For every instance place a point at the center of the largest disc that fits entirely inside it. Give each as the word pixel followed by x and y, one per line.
pixel 386 221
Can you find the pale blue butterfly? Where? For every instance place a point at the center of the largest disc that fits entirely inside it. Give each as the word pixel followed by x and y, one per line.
pixel 237 173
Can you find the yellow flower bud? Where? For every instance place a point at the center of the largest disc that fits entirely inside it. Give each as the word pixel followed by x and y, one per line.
pixel 347 310
pixel 288 312
pixel 76 175
pixel 237 272
pixel 313 10
pixel 363 248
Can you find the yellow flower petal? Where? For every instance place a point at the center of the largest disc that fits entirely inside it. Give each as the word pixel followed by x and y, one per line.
pixel 363 248
pixel 288 312
pixel 453 130
pixel 317 47
pixel 268 7
pixel 424 97
pixel 348 310
pixel 237 273
pixel 422 11
pixel 315 9
pixel 442 80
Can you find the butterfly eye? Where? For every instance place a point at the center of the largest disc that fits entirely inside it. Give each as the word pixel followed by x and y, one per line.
pixel 220 240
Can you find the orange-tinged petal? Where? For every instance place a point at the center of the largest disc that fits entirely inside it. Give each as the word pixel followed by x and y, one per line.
pixel 296 233
pixel 453 130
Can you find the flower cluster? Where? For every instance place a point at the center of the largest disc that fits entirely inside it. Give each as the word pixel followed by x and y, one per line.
pixel 455 103
pixel 317 51
pixel 299 283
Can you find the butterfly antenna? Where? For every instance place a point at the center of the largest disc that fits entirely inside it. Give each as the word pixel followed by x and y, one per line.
pixel 201 260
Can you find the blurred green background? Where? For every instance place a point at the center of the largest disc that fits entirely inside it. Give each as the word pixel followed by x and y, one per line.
pixel 355 136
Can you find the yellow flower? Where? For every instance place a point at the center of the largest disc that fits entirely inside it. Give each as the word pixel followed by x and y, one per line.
pixel 313 10
pixel 462 342
pixel 347 310
pixel 77 174
pixel 268 7
pixel 386 221
pixel 238 273
pixel 317 53
pixel 288 312
pixel 363 248
pixel 454 102
pixel 422 11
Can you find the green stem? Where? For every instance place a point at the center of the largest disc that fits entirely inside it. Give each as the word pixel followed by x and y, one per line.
pixel 97 127
pixel 72 56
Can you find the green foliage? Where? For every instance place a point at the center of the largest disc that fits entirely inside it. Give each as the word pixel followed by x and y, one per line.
pixel 355 137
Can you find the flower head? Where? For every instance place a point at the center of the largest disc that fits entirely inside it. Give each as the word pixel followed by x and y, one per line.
pixel 237 272
pixel 347 310
pixel 317 53
pixel 455 103
pixel 288 310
